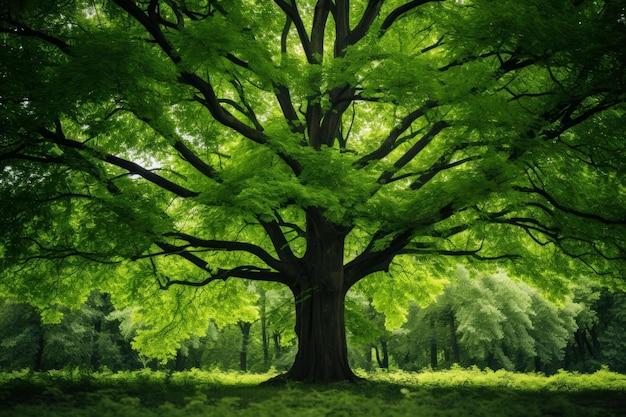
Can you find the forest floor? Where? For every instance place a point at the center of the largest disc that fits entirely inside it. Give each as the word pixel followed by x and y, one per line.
pixel 455 392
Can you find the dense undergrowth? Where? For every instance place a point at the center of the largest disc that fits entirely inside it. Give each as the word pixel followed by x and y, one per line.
pixel 455 392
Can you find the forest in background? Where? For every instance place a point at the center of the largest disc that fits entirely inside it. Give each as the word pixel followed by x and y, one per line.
pixel 490 321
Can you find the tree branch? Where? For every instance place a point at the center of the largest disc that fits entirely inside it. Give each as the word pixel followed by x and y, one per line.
pixel 293 14
pixel 59 138
pixel 413 151
pixel 195 161
pixel 389 143
pixel 23 30
pixel 245 272
pixel 224 245
pixel 360 30
pixel 318 30
pixel 398 12
pixel 441 165
pixel 281 246
pixel 370 261
pixel 569 210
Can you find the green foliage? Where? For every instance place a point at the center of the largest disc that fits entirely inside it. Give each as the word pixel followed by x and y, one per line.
pixel 88 337
pixel 490 320
pixel 407 281
pixel 195 393
pixel 186 144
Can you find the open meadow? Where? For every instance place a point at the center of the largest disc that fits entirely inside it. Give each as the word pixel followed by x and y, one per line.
pixel 455 392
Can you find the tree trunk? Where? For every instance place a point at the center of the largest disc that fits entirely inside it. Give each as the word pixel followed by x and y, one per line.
pixel 245 341
pixel 180 361
pixel 319 298
pixel 95 344
pixel 433 345
pixel 383 361
pixel 368 358
pixel 264 336
pixel 278 350
pixel 41 344
pixel 456 357
pixel 322 348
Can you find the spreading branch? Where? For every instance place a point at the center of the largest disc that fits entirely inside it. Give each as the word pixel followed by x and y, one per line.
pixel 390 143
pixel 569 210
pixel 58 137
pixel 224 245
pixel 399 12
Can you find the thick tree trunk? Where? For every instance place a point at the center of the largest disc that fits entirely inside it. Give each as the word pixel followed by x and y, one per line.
pixel 319 297
pixel 322 349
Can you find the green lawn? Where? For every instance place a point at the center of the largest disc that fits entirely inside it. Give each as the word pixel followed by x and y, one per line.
pixel 455 392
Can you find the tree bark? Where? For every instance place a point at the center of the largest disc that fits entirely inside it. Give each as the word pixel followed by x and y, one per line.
pixel 322 348
pixel 456 357
pixel 245 341
pixel 320 303
pixel 383 361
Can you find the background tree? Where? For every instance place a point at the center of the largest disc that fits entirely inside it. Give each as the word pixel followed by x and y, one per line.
pixel 88 337
pixel 22 336
pixel 486 320
pixel 152 145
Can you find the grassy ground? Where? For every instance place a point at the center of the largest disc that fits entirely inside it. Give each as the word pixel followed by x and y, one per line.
pixel 455 392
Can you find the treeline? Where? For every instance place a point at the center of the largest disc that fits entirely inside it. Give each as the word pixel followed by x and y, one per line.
pixel 495 322
pixel 499 323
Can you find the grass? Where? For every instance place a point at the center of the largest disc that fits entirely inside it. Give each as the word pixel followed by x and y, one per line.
pixel 455 392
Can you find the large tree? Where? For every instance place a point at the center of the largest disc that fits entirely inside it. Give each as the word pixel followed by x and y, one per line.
pixel 176 143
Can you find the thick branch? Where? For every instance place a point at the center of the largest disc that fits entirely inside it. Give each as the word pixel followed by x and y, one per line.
pixel 413 151
pixel 59 138
pixel 23 30
pixel 212 103
pixel 195 161
pixel 370 261
pixel 293 14
pixel 283 95
pixel 225 245
pixel 569 210
pixel 245 272
pixel 389 143
pixel 361 29
pixel 151 23
pixel 281 246
pixel 320 18
pixel 398 12
pixel 342 25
